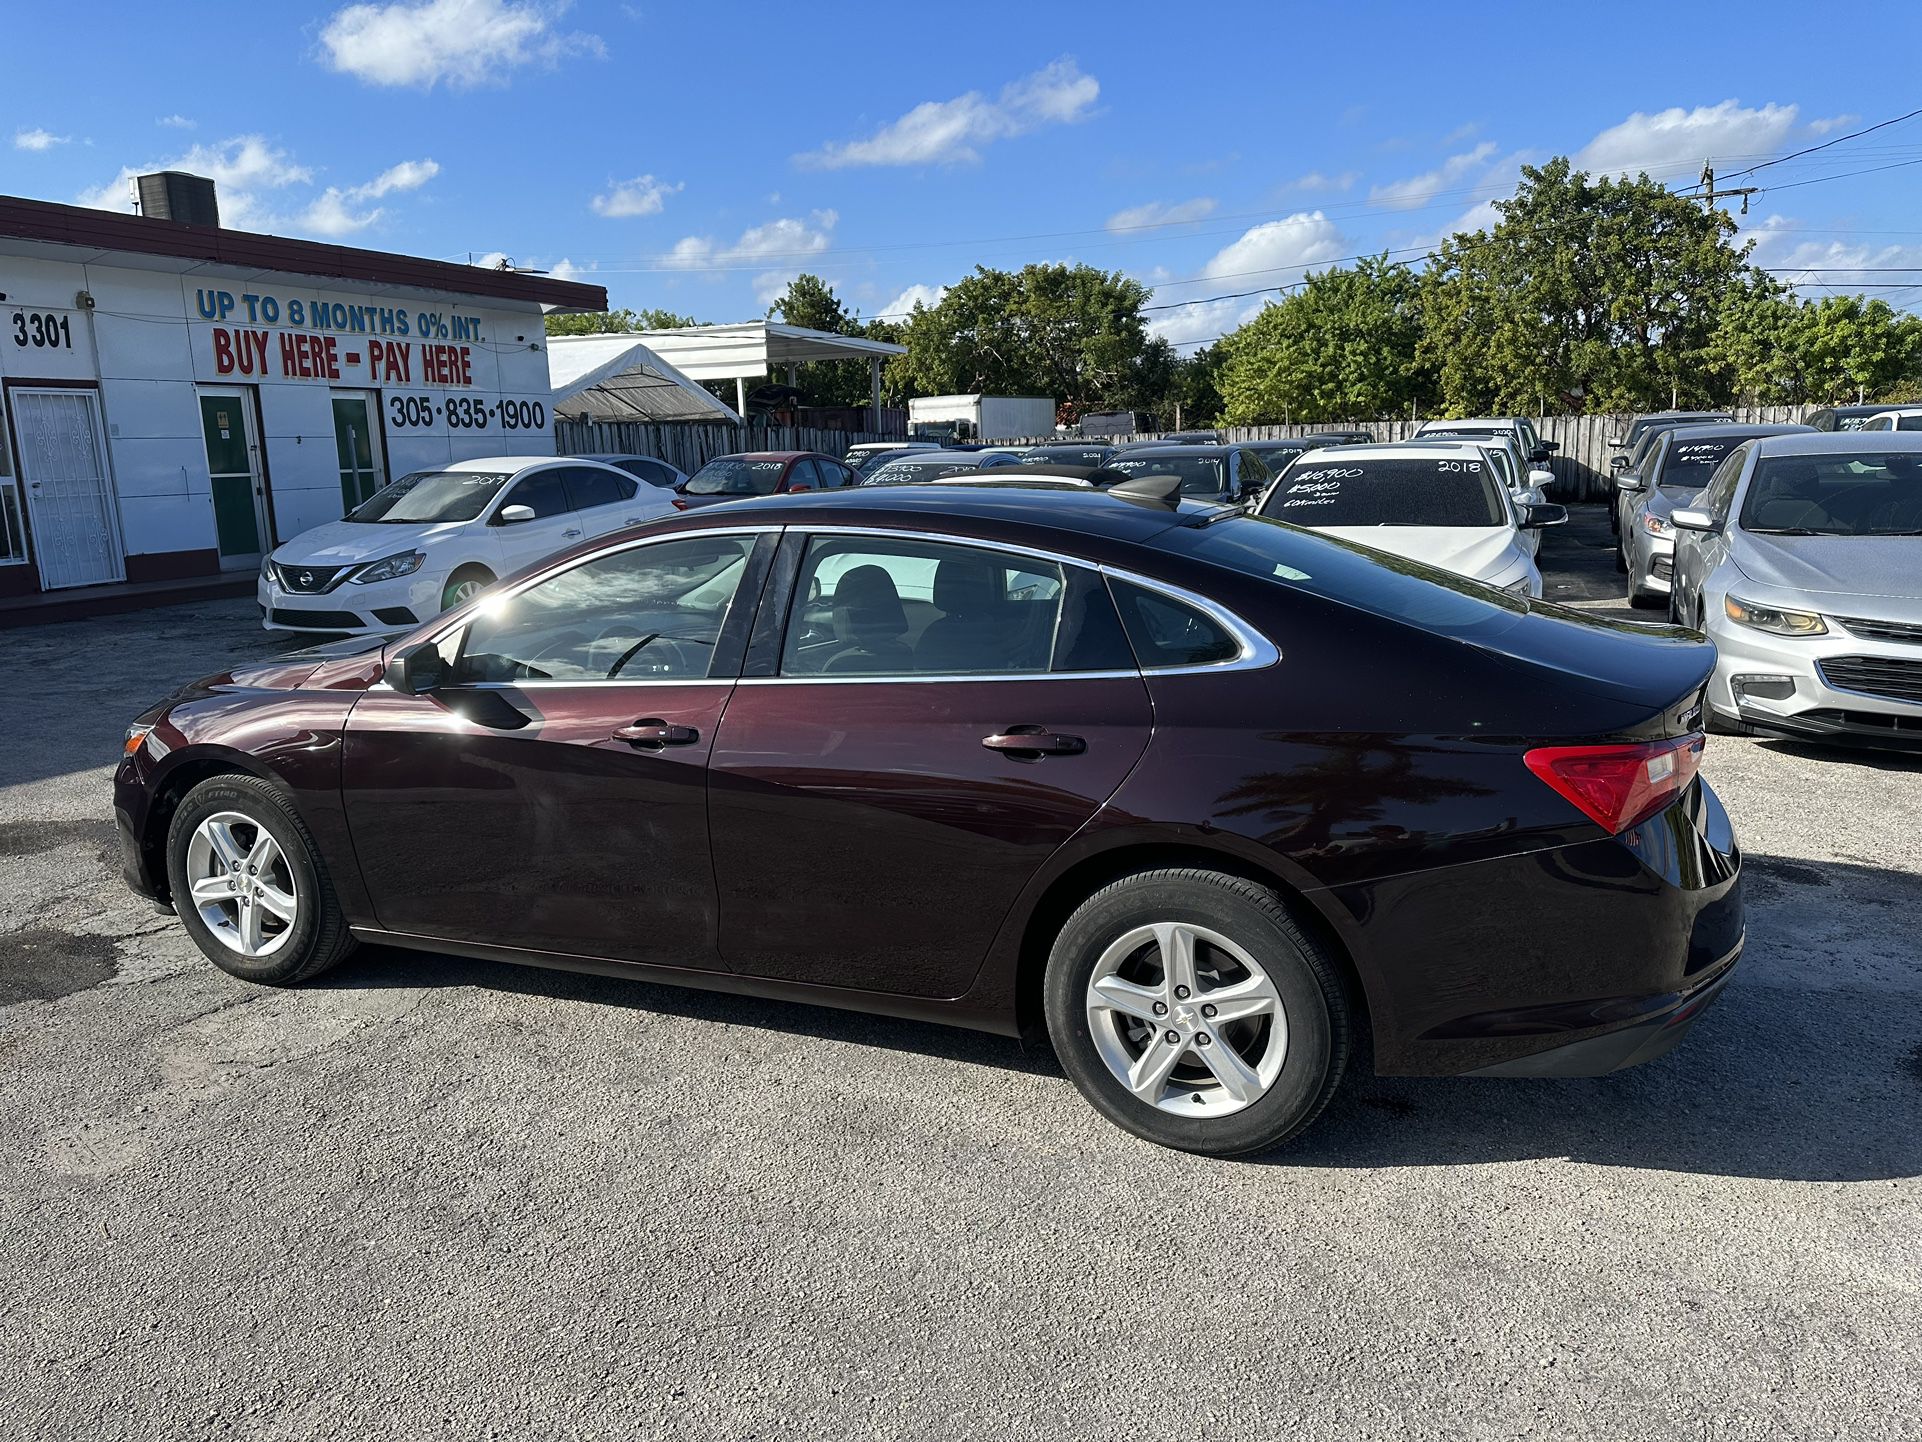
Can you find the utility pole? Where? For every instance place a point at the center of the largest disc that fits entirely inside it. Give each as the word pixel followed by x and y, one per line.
pixel 1711 194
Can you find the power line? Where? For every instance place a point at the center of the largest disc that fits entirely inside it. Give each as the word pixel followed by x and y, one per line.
pixel 1810 150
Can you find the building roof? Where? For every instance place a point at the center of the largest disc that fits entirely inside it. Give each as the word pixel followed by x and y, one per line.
pixel 43 228
pixel 752 348
pixel 620 378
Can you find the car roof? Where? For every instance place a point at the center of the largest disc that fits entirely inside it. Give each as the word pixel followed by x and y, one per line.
pixel 1827 443
pixel 1739 430
pixel 763 455
pixel 1391 450
pixel 1899 411
pixel 497 464
pixel 1212 448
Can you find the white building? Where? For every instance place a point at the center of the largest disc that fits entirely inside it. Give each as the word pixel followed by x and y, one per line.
pixel 177 399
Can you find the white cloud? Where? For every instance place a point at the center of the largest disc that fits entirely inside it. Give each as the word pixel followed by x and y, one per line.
pixel 248 169
pixel 643 195
pixel 175 122
pixel 463 43
pixel 949 132
pixel 1675 141
pixel 1819 267
pixel 1833 122
pixel 408 175
pixel 903 304
pixel 1418 190
pixel 565 269
pixel 1315 180
pixel 38 139
pixel 1157 212
pixel 782 239
pixel 1302 240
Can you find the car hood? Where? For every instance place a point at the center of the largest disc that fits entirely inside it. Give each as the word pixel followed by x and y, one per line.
pixel 352 664
pixel 1479 552
pixel 341 543
pixel 1887 566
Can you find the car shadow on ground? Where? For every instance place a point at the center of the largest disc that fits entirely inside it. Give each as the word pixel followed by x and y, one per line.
pixel 1808 1069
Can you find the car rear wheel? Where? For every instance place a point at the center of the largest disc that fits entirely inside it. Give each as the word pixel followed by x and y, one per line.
pixel 249 885
pixel 1190 1009
pixel 465 584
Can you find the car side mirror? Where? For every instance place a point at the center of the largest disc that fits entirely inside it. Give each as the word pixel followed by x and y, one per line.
pixel 1552 447
pixel 415 670
pixel 1618 463
pixel 1691 519
pixel 1541 478
pixel 517 515
pixel 1540 454
pixel 1534 518
pixel 1628 482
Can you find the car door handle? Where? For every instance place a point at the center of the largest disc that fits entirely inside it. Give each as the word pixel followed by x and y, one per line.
pixel 1031 743
pixel 654 733
pixel 571 534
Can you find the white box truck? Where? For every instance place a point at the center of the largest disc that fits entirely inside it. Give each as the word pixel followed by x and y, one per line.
pixel 980 418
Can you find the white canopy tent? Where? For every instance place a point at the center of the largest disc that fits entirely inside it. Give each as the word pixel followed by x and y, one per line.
pixel 623 378
pixel 748 350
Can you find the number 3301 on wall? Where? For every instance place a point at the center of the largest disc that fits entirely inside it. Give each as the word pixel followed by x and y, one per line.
pixel 42 330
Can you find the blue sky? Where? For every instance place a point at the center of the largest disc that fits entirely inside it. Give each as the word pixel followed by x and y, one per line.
pixel 696 156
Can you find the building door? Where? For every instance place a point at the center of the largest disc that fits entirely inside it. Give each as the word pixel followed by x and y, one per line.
pixel 357 444
pixel 241 526
pixel 70 499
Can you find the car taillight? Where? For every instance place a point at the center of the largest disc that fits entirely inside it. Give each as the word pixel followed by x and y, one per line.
pixel 679 504
pixel 1617 787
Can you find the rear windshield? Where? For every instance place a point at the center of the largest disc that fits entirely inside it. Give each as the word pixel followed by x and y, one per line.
pixel 1069 455
pixel 911 469
pixel 425 497
pixel 1854 493
pixel 1688 464
pixel 1385 491
pixel 1200 475
pixel 732 476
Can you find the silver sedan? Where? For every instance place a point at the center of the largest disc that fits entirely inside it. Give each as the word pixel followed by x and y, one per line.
pixel 1802 562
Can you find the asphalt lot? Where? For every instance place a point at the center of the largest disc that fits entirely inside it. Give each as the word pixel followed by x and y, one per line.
pixel 439 1198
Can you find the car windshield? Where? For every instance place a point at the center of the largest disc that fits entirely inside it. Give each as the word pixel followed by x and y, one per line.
pixel 429 497
pixel 1200 475
pixel 1335 490
pixel 733 476
pixel 921 468
pixel 1688 464
pixel 1856 493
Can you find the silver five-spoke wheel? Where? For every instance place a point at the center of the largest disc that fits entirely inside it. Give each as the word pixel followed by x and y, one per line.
pixel 1187 1020
pixel 242 886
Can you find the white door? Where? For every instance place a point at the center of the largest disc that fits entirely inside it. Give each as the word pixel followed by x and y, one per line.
pixel 241 528
pixel 70 499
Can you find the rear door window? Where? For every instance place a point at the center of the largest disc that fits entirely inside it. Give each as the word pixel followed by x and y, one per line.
pixel 589 486
pixel 1167 633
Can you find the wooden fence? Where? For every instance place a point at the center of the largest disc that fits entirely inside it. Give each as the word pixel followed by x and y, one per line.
pixel 691 445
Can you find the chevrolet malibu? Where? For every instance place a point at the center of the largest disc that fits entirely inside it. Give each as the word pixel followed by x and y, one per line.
pixel 1802 561
pixel 436 538
pixel 1216 805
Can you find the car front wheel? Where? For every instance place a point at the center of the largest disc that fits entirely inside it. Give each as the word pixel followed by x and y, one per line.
pixel 463 585
pixel 1190 1009
pixel 250 886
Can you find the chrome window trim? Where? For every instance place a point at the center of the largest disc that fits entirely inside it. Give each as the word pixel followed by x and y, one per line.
pixel 1256 650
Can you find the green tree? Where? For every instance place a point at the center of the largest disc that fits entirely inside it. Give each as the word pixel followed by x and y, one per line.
pixel 811 302
pixel 1343 347
pixel 1072 332
pixel 1606 292
pixel 616 322
pixel 1776 349
pixel 1194 397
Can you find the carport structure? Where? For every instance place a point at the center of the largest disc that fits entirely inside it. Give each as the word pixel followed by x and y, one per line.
pixel 621 378
pixel 748 350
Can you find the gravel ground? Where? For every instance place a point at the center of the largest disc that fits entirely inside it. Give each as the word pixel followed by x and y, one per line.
pixel 430 1197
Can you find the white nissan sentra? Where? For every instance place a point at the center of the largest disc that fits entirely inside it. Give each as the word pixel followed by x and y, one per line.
pixel 1441 502
pixel 433 538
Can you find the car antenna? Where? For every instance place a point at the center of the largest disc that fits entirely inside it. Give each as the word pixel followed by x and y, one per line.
pixel 1149 491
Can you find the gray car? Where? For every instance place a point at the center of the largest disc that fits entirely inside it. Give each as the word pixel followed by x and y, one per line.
pixel 1678 464
pixel 1802 562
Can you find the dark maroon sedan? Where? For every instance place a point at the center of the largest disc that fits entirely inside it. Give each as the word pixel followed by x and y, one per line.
pixel 1217 804
pixel 761 473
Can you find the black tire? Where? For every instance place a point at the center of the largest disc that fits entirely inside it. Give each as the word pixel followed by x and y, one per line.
pixel 1621 552
pixel 318 937
pixel 1645 600
pixel 460 577
pixel 1310 983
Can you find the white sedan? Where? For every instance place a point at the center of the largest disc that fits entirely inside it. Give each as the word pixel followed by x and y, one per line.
pixel 1440 503
pixel 433 538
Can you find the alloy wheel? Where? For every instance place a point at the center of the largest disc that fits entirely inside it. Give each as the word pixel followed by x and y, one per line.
pixel 241 884
pixel 461 592
pixel 1187 1020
